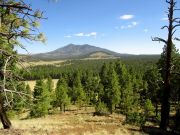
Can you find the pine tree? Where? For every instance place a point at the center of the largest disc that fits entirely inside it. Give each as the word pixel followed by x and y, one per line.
pixel 49 84
pixel 19 102
pixel 29 92
pixel 109 79
pixel 113 88
pixel 61 92
pixel 154 81
pixel 78 93
pixel 41 101
pixel 17 21
pixel 90 84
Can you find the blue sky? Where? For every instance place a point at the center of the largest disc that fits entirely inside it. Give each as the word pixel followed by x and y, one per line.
pixel 124 26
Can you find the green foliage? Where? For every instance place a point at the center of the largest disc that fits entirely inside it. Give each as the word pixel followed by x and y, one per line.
pixel 175 79
pixel 148 108
pixel 11 114
pixel 101 109
pixel 135 118
pixel 22 102
pixel 78 93
pixel 154 81
pixel 29 95
pixel 109 79
pixel 62 98
pixel 49 84
pixel 42 100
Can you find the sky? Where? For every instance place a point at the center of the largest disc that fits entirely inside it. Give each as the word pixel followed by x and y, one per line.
pixel 124 26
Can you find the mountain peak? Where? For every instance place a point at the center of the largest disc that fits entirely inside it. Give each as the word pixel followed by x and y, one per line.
pixel 72 51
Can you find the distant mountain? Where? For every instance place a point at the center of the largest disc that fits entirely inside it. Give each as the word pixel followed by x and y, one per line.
pixel 73 51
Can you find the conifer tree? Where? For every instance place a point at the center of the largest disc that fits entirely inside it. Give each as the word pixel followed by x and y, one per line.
pixel 17 21
pixel 113 88
pixel 154 81
pixel 61 92
pixel 19 102
pixel 29 97
pixel 41 101
pixel 79 95
pixel 49 84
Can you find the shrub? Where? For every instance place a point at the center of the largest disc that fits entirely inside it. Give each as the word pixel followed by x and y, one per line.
pixel 135 118
pixel 101 109
pixel 148 108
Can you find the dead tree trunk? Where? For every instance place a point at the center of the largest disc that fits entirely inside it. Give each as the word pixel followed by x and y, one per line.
pixel 165 107
pixel 165 103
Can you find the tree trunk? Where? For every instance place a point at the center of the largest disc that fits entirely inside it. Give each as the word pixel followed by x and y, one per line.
pixel 4 119
pixel 165 108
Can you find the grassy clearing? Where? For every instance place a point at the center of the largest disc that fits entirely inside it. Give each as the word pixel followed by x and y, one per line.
pixel 72 122
pixel 37 63
pixel 32 83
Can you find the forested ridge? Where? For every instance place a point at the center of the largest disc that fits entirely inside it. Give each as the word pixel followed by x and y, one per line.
pixel 55 70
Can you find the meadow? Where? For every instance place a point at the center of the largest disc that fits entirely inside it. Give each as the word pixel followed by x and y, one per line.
pixel 72 122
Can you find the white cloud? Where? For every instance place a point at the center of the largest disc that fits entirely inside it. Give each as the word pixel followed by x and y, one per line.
pixel 146 30
pixel 79 34
pixel 91 34
pixel 82 34
pixel 126 17
pixel 134 23
pixel 131 25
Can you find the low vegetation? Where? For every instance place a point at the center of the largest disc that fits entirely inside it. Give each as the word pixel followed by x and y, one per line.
pixel 73 122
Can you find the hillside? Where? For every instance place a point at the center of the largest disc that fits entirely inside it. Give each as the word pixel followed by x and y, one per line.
pixel 73 51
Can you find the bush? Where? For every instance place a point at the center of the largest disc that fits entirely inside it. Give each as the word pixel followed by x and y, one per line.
pixel 149 108
pixel 135 118
pixel 101 109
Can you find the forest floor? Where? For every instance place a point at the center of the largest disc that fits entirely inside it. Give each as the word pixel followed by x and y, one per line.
pixel 72 122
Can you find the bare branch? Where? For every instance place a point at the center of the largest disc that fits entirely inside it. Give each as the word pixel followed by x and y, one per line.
pixel 178 25
pixel 165 27
pixel 159 40
pixel 176 9
pixel 4 78
pixel 174 32
pixel 178 39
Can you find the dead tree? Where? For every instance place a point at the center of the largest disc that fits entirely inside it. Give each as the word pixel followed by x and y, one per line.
pixel 17 20
pixel 173 23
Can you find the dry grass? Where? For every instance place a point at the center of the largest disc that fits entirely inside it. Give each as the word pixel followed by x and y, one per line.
pixel 72 122
pixel 32 83
pixel 36 63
